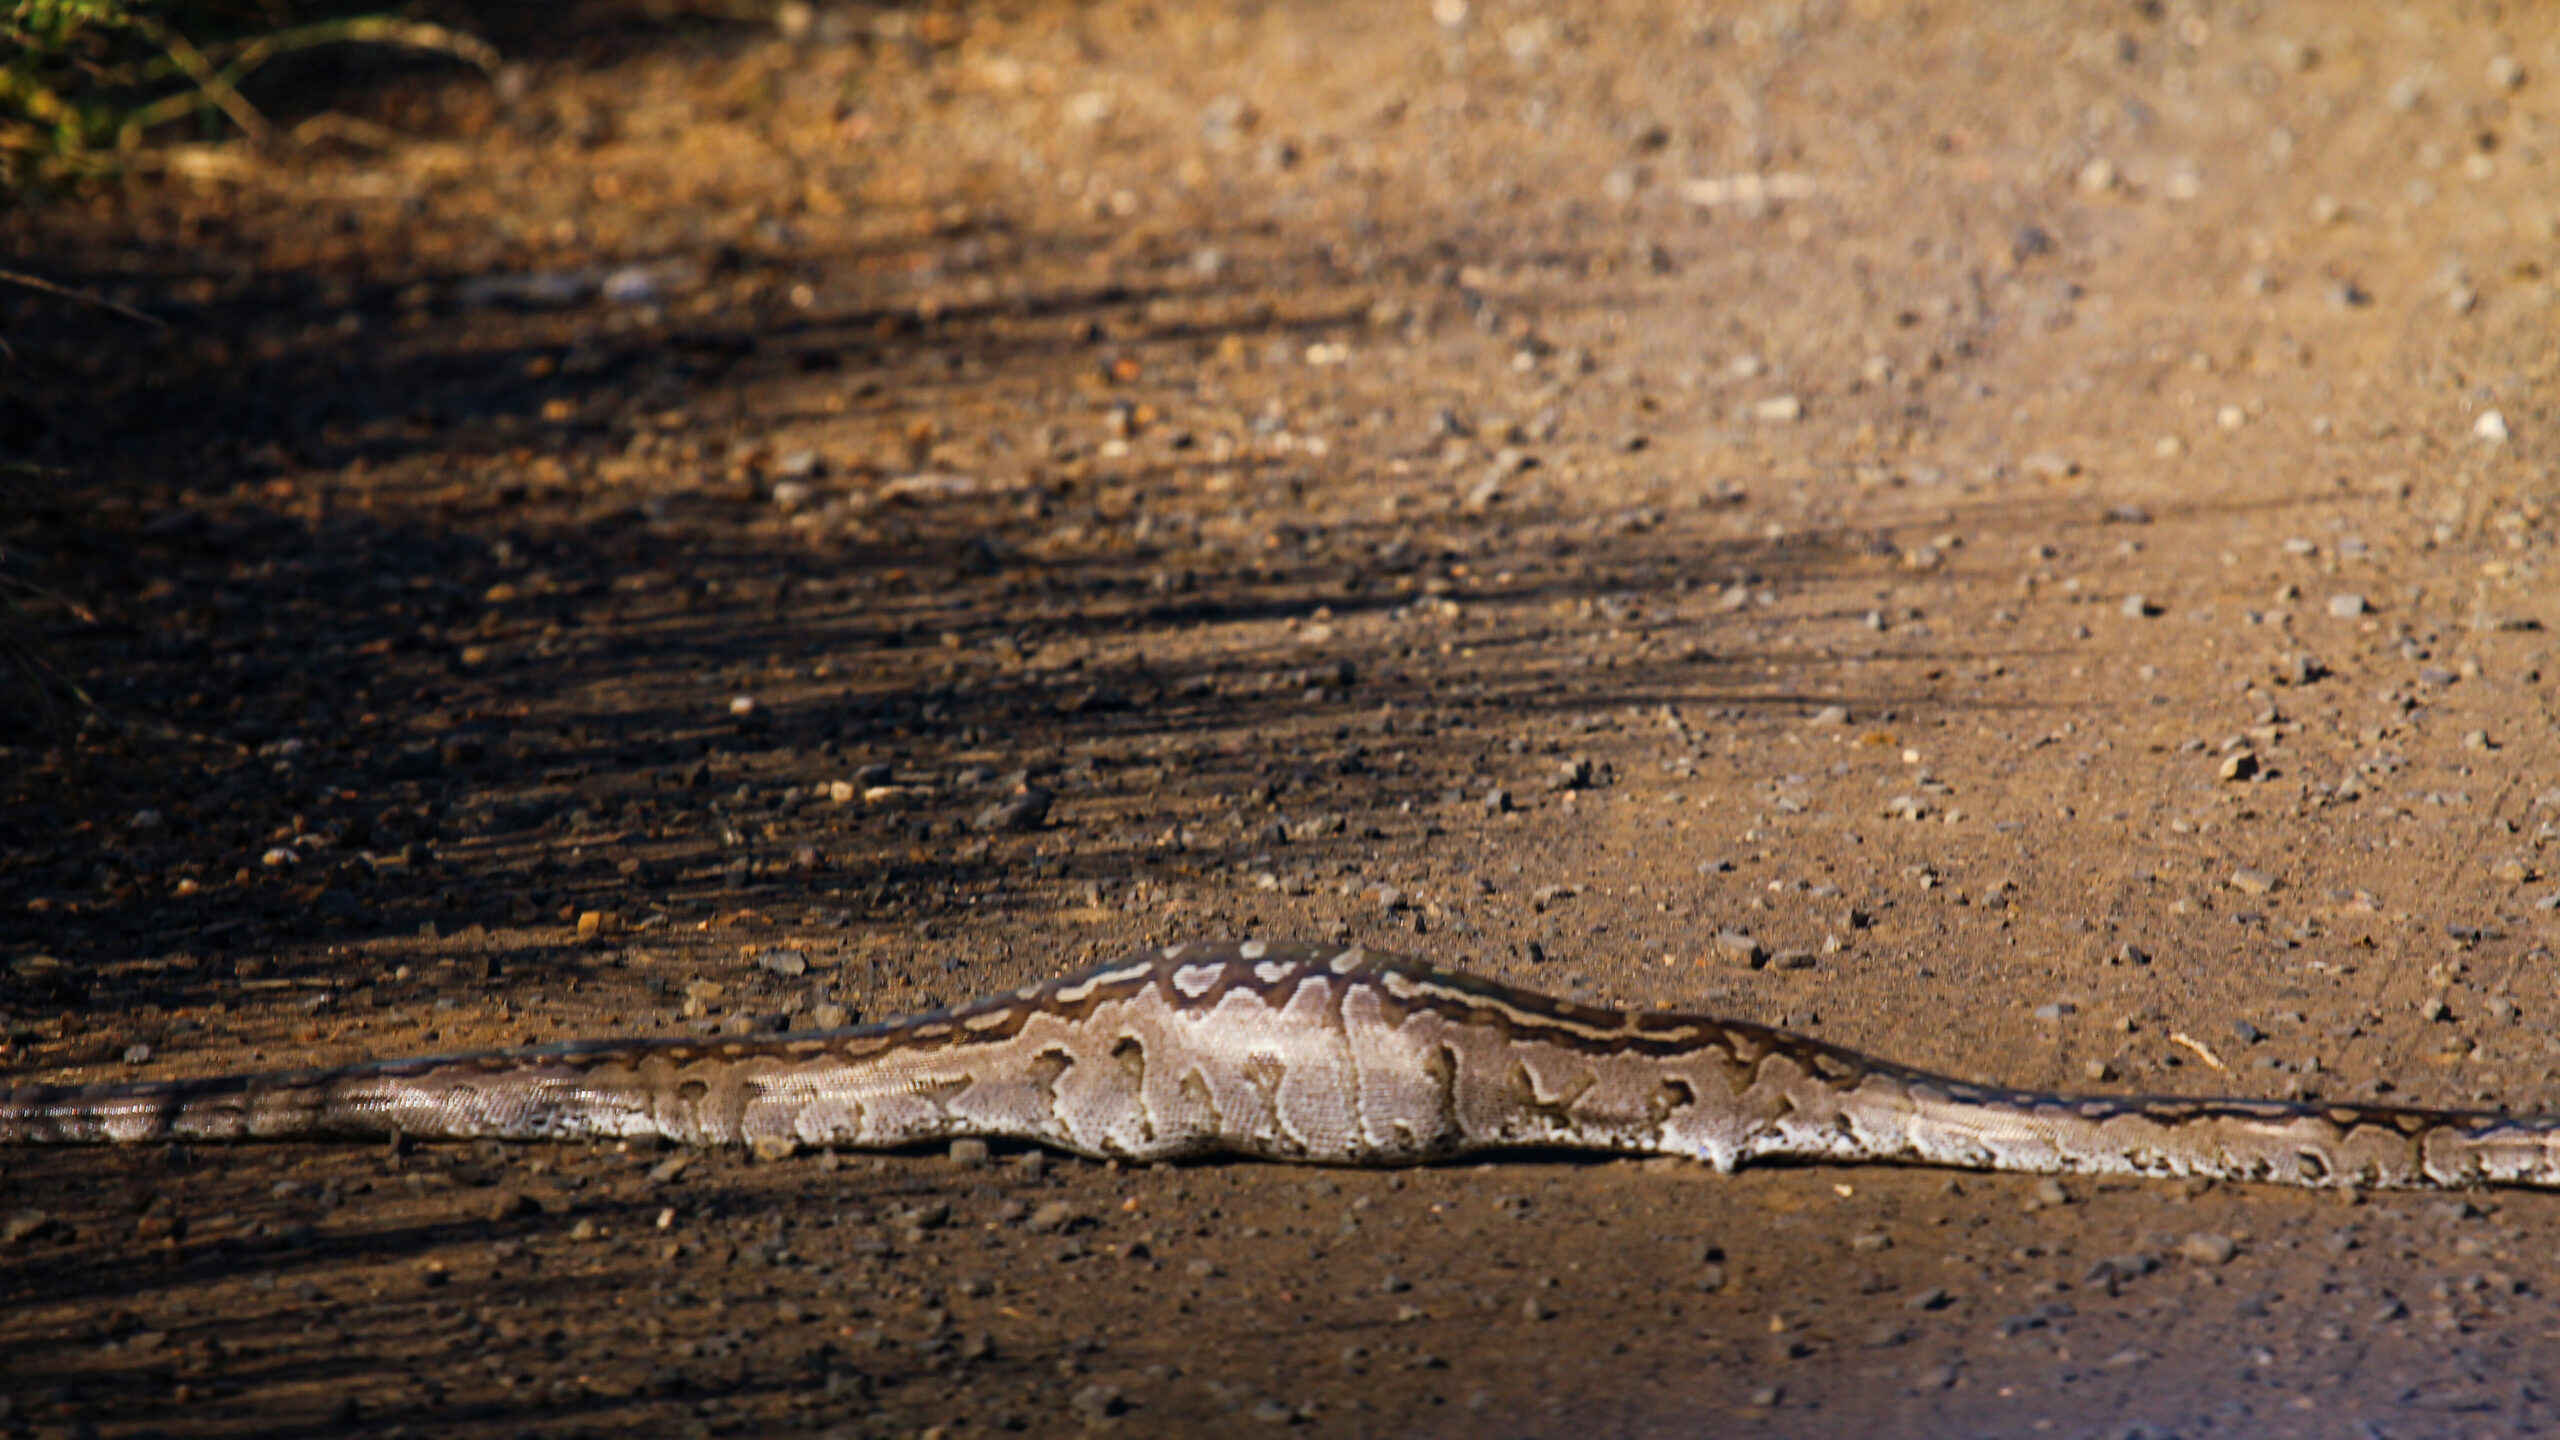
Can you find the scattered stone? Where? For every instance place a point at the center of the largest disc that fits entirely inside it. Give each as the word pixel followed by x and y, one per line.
pixel 2238 765
pixel 2299 670
pixel 1739 945
pixel 596 924
pixel 1024 809
pixel 2490 428
pixel 772 1148
pixel 787 963
pixel 25 1225
pixel 2252 882
pixel 1096 1403
pixel 510 1204
pixel 2057 1010
pixel 1272 1412
pixel 2207 1248
pixel 969 1154
pixel 2346 607
pixel 1779 410
pixel 1497 801
pixel 1534 1308
pixel 2139 607
pixel 583 1231
pixel 2050 1192
pixel 1052 1216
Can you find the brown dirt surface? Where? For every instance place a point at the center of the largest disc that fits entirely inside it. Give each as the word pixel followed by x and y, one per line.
pixel 2034 515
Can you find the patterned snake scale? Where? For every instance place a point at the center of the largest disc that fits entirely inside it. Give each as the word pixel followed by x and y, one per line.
pixel 1299 1053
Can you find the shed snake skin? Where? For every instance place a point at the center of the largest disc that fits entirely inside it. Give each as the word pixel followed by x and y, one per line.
pixel 1300 1053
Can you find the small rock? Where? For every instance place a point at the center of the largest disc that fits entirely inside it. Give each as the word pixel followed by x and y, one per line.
pixel 1778 410
pixel 1534 1308
pixel 2490 428
pixel 1740 945
pixel 1831 715
pixel 2248 1034
pixel 2058 1010
pixel 583 1231
pixel 969 1154
pixel 1933 1298
pixel 593 924
pixel 1025 809
pixel 2238 765
pixel 742 706
pixel 2207 1248
pixel 2138 607
pixel 2299 670
pixel 1052 1216
pixel 1272 1412
pixel 509 1204
pixel 787 963
pixel 1497 801
pixel 24 1225
pixel 2097 1071
pixel 2252 882
pixel 1097 1403
pixel 2049 1192
pixel 137 1054
pixel 773 1148
pixel 2346 607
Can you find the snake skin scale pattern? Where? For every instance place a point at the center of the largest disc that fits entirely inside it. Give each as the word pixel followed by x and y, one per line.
pixel 1312 1054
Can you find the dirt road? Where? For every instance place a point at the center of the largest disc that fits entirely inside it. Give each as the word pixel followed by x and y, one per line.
pixel 2011 540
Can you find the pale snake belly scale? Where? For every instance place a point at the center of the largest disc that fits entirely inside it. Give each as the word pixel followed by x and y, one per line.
pixel 1316 1054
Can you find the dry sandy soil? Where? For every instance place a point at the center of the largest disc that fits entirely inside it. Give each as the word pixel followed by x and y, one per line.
pixel 2035 516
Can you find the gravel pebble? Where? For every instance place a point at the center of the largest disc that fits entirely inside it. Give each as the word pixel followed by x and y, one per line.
pixel 1022 810
pixel 1097 1403
pixel 2346 607
pixel 1051 1216
pixel 2207 1248
pixel 2252 882
pixel 1739 945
